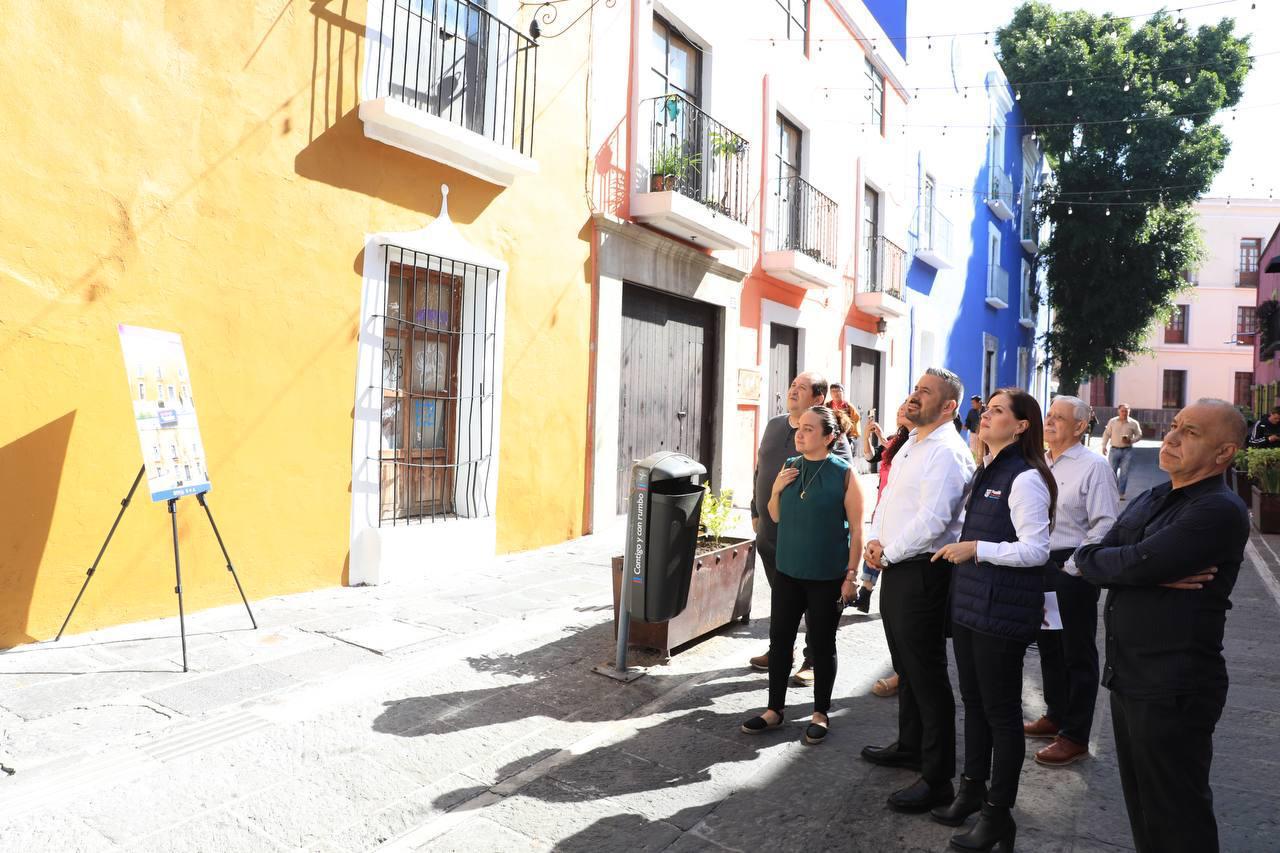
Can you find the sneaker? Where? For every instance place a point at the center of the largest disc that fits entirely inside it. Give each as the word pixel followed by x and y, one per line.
pixel 1043 727
pixel 760 663
pixel 804 675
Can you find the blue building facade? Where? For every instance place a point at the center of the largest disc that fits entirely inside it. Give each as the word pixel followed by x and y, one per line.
pixel 971 284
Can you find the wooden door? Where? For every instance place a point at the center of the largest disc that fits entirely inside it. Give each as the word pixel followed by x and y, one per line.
pixel 668 383
pixel 783 346
pixel 863 392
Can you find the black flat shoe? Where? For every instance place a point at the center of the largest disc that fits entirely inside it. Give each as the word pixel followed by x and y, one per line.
pixel 891 756
pixel 969 800
pixel 920 796
pixel 995 830
pixel 756 725
pixel 815 733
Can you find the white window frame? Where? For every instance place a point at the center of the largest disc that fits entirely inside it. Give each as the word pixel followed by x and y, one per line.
pixel 990 379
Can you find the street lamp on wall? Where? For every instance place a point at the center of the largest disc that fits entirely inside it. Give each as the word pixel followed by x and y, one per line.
pixel 882 326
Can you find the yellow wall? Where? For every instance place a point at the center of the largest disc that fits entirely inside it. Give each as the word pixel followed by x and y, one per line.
pixel 200 167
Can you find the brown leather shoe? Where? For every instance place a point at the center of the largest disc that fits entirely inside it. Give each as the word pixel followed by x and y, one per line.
pixel 1043 727
pixel 760 663
pixel 1061 752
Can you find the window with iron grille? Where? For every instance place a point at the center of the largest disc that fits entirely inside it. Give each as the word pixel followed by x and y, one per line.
pixel 1175 389
pixel 1246 324
pixel 875 95
pixel 1244 388
pixel 1175 332
pixel 796 20
pixel 1250 250
pixel 437 405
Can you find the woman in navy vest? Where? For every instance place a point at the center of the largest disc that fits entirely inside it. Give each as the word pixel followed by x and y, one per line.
pixel 997 604
pixel 817 506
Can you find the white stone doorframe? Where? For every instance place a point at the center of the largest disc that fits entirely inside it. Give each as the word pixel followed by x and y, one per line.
pixel 630 253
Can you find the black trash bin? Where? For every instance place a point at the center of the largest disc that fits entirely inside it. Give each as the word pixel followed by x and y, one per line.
pixel 662 534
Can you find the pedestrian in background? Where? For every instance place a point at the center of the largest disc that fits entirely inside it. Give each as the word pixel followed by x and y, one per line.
pixel 777 444
pixel 972 421
pixel 1266 432
pixel 1122 433
pixel 817 507
pixel 918 514
pixel 1169 565
pixel 1088 503
pixel 997 606
pixel 1093 426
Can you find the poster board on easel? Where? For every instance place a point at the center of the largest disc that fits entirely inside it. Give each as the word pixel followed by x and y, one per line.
pixel 164 413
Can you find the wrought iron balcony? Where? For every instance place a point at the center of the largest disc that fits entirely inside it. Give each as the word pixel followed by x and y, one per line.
pixel 1000 194
pixel 998 288
pixel 1030 231
pixel 885 266
pixel 1248 278
pixel 805 220
pixel 934 244
pixel 455 83
pixel 693 156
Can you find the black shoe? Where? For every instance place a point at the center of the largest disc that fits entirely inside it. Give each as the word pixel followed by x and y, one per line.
pixel 815 733
pixel 995 829
pixel 891 756
pixel 863 602
pixel 756 725
pixel 920 796
pixel 969 800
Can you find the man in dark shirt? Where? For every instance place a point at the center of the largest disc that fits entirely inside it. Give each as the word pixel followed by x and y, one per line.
pixel 777 444
pixel 1170 563
pixel 972 420
pixel 1266 432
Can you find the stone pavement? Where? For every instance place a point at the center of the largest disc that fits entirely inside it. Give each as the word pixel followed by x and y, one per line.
pixel 462 715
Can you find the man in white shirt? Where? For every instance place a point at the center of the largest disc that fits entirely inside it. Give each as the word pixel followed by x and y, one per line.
pixel 1088 503
pixel 918 513
pixel 1122 433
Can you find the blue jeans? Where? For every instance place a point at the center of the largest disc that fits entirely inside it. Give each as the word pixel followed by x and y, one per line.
pixel 1120 458
pixel 870 574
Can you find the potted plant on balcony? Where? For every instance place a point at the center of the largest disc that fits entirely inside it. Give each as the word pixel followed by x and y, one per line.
pixel 668 163
pixel 1264 469
pixel 720 588
pixel 1240 473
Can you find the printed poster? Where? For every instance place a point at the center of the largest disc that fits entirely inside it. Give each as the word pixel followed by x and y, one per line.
pixel 164 412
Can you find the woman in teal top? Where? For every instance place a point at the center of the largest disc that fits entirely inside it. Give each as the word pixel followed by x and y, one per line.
pixel 817 506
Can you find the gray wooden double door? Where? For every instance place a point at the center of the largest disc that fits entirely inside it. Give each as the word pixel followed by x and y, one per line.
pixel 667 390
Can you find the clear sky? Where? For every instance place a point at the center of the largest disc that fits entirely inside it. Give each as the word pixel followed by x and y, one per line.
pixel 1253 167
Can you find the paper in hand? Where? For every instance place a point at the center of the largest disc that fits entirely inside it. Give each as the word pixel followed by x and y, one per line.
pixel 1052 618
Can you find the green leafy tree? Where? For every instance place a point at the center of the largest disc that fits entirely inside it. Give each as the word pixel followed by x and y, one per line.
pixel 1132 144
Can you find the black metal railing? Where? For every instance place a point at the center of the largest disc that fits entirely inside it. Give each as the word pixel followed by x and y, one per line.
pixel 693 154
pixel 805 220
pixel 884 266
pixel 457 61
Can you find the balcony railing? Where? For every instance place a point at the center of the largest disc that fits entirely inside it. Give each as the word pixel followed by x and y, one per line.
pixel 1026 316
pixel 1029 224
pixel 998 286
pixel 1248 278
pixel 935 236
pixel 696 156
pixel 455 60
pixel 805 220
pixel 884 265
pixel 1001 188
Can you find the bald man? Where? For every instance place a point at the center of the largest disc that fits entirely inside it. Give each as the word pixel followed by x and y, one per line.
pixel 1169 564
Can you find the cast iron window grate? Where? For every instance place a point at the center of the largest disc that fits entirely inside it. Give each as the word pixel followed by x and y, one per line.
pixel 437 380
pixel 457 61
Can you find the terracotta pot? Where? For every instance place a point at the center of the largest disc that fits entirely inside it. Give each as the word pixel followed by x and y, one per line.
pixel 719 593
pixel 662 183
pixel 1266 511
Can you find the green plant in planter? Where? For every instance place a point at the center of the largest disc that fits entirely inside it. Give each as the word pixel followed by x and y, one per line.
pixel 725 145
pixel 1264 469
pixel 717 512
pixel 1241 460
pixel 666 161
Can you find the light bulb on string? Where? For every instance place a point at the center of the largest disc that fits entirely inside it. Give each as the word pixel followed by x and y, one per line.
pixel 1126 85
pixel 928 42
pixel 1128 131
pixel 1108 210
pixel 1070 91
pixel 1048 41
pixel 1188 78
pixel 1017 94
pixel 1070 210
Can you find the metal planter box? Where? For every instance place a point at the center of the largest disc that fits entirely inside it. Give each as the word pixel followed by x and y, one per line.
pixel 719 593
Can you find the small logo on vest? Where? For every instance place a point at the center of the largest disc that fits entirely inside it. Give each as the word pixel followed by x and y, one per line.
pixel 994 494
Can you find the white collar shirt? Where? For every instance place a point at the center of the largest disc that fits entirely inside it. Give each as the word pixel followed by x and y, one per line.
pixel 1029 503
pixel 1088 500
pixel 919 510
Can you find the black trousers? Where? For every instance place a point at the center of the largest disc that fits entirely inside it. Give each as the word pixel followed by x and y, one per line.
pixel 913 608
pixel 793 598
pixel 1165 748
pixel 1069 658
pixel 990 670
pixel 768 553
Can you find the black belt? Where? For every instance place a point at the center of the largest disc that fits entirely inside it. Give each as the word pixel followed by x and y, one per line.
pixel 926 557
pixel 1061 555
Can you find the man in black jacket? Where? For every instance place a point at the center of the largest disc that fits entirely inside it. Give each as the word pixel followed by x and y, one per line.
pixel 1170 563
pixel 1266 432
pixel 777 444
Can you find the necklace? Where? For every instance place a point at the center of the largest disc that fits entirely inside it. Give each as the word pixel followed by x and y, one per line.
pixel 804 486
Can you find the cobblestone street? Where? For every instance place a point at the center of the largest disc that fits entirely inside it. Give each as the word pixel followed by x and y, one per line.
pixel 464 716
